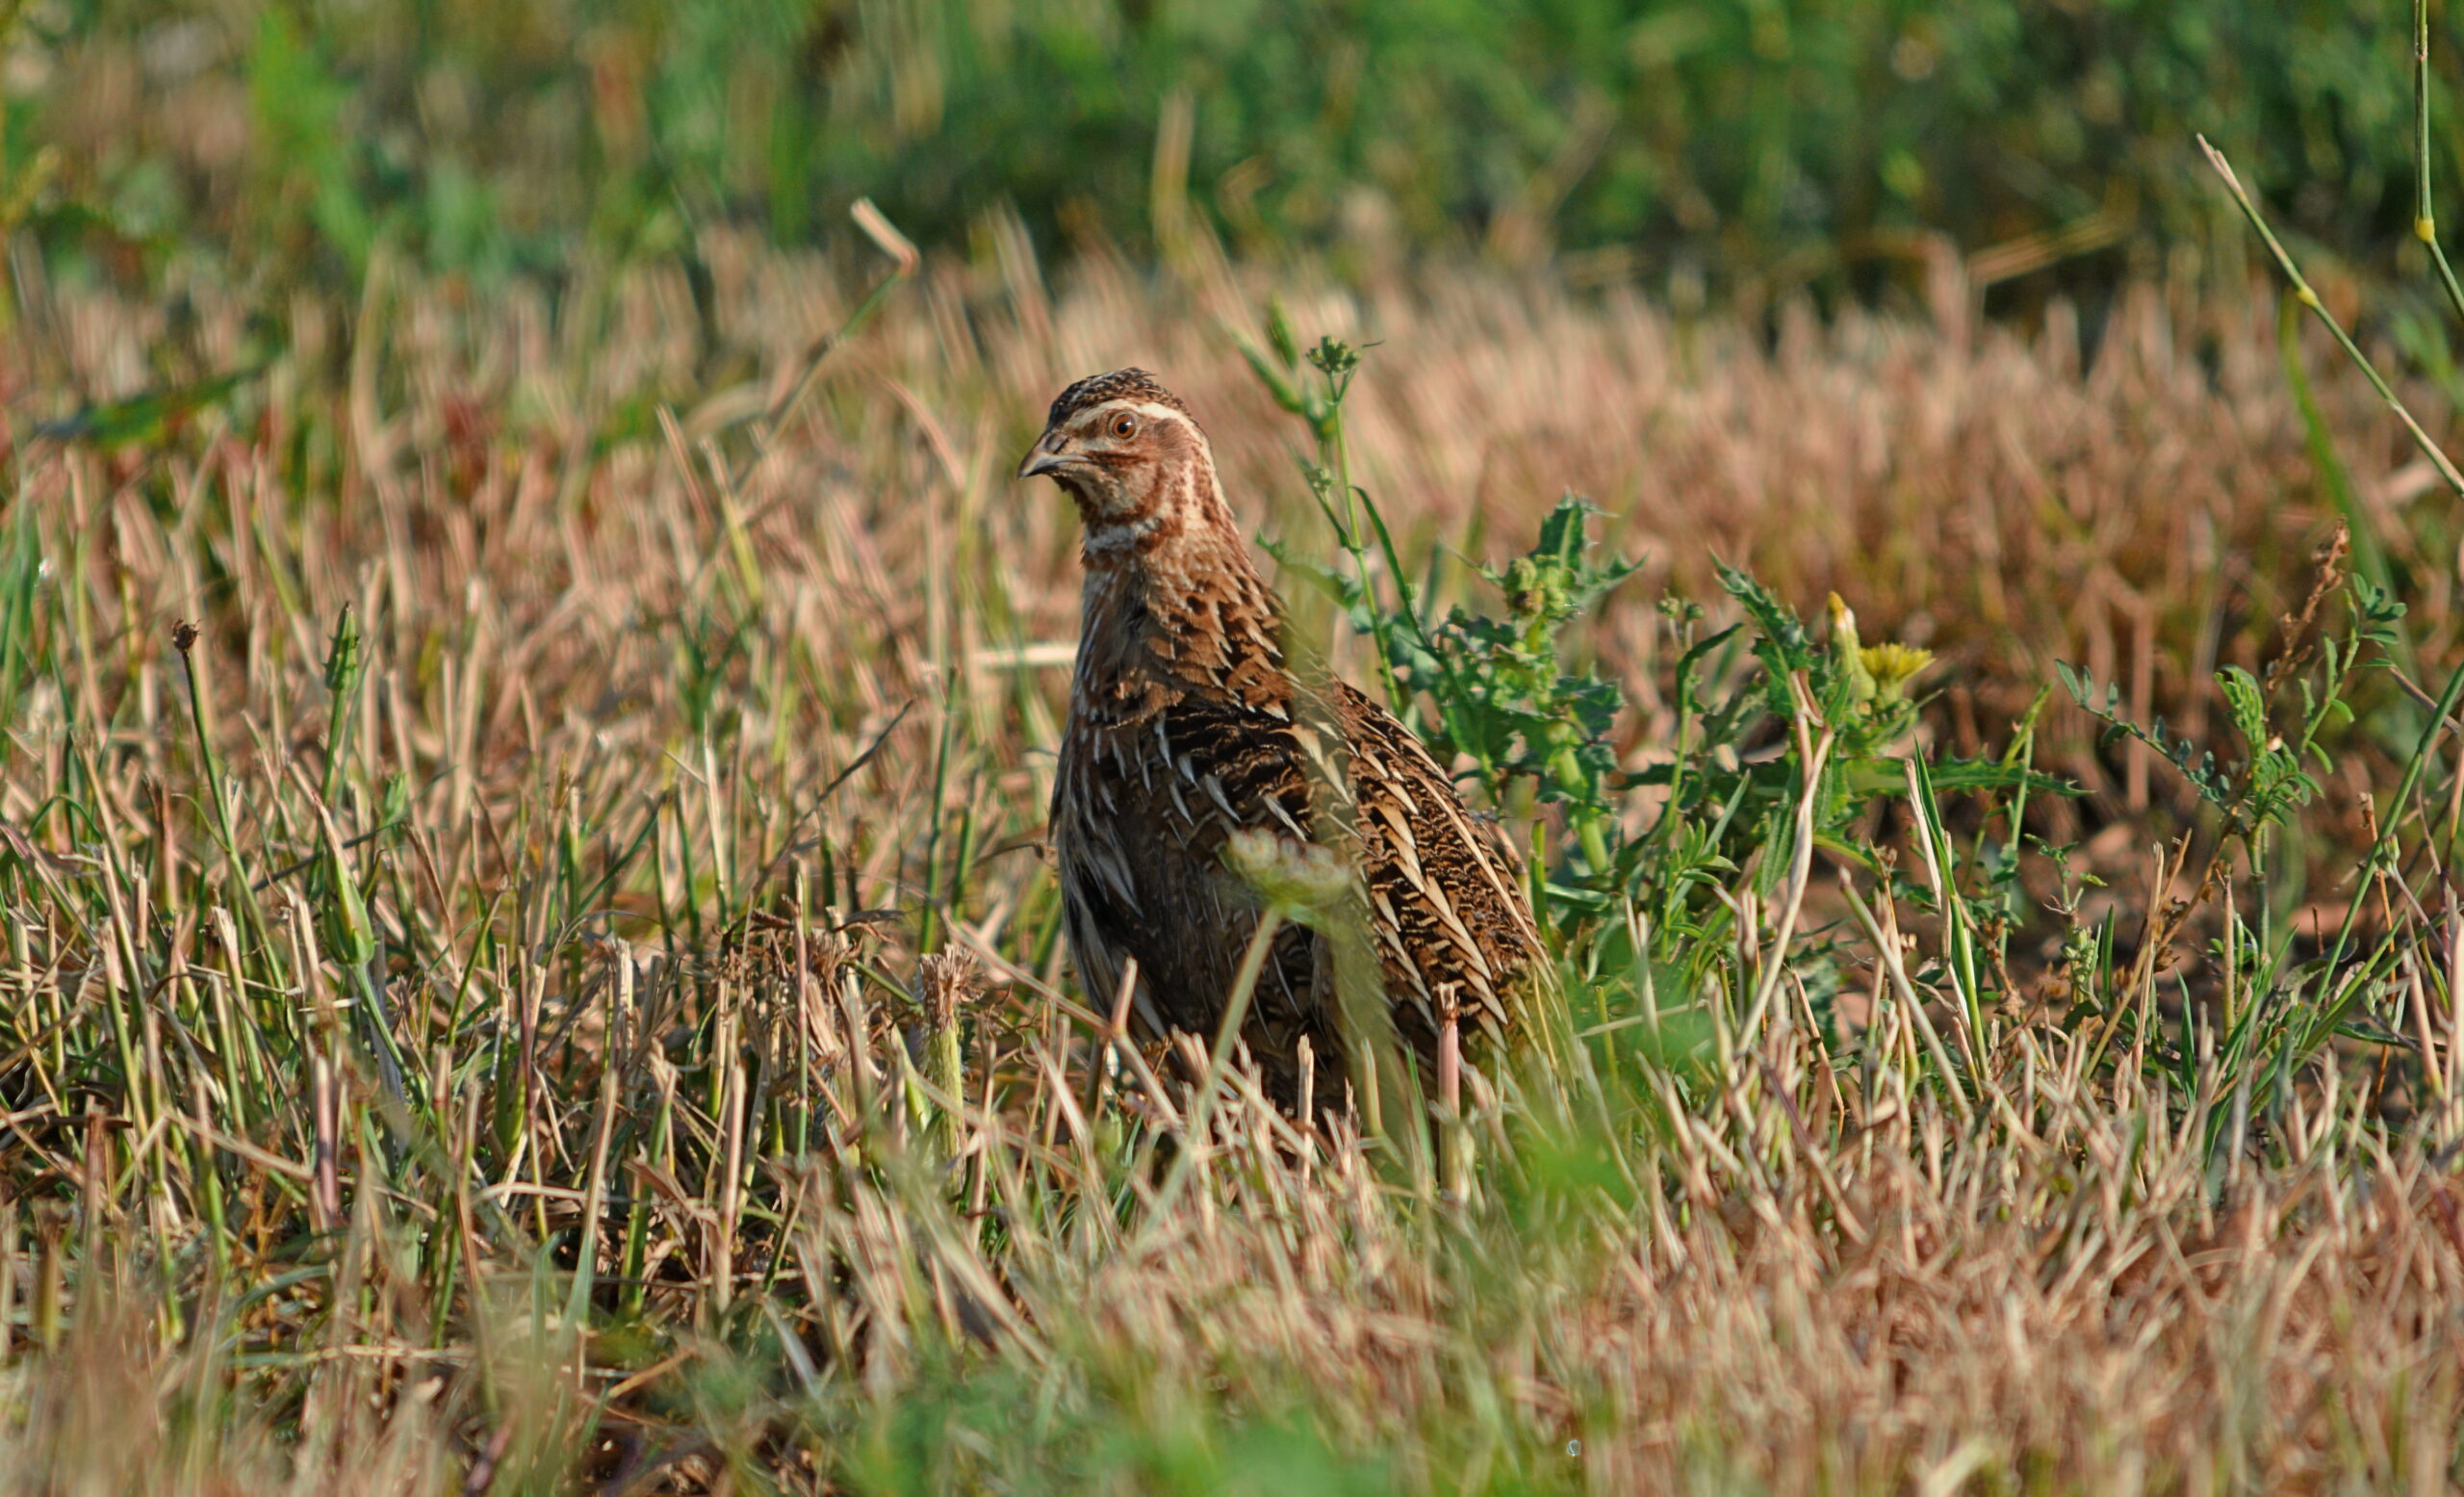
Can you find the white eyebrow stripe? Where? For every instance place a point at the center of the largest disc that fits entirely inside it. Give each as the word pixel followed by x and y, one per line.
pixel 1095 415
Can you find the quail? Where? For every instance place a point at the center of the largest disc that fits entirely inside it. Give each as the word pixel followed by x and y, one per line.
pixel 1191 723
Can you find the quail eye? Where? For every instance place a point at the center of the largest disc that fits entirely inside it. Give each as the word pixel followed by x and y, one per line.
pixel 1124 425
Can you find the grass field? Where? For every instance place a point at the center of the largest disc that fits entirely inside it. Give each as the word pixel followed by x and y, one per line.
pixel 554 986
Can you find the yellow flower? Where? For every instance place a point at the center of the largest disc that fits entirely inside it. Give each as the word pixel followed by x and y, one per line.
pixel 1892 664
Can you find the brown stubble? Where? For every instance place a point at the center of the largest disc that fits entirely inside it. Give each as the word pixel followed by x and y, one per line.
pixel 1832 1277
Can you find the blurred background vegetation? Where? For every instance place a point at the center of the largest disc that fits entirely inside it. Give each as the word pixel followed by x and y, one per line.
pixel 1747 147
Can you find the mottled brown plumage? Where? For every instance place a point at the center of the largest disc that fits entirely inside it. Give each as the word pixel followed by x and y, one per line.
pixel 1187 724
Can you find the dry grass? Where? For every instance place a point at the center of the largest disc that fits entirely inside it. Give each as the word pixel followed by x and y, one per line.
pixel 695 752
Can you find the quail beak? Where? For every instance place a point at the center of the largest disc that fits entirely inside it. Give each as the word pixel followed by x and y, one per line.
pixel 1042 459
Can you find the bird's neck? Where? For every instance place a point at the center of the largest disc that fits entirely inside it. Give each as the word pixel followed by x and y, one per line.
pixel 1186 617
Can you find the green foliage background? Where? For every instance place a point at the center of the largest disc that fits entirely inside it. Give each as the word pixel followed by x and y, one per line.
pixel 1763 143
